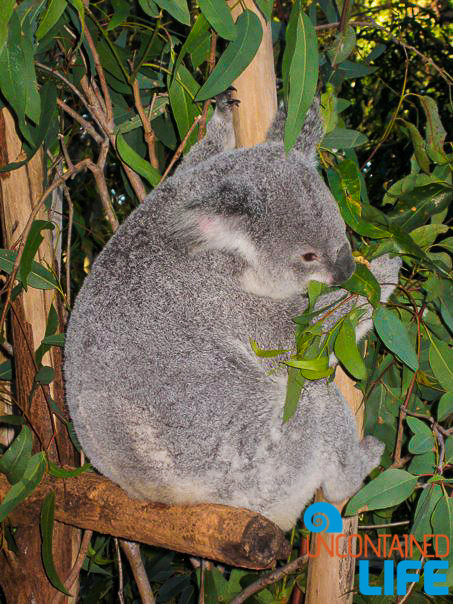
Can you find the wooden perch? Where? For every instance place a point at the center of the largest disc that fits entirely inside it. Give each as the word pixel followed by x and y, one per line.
pixel 233 536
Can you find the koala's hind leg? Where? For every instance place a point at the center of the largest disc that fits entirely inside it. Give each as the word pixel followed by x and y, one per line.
pixel 352 469
pixel 219 132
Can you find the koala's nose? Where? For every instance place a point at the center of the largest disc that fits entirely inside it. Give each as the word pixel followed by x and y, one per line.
pixel 344 265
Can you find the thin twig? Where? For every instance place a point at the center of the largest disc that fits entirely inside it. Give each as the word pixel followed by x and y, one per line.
pixel 68 244
pixel 120 572
pixel 132 551
pixel 369 527
pixel 293 567
pixel 78 118
pixel 180 149
pixel 202 575
pixel 149 134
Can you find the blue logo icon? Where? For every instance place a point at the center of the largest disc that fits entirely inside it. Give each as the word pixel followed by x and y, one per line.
pixel 323 516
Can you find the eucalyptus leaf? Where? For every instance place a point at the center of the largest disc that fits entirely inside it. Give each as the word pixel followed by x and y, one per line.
pixel 18 492
pixel 445 407
pixel 293 391
pixel 423 439
pixel 426 503
pixel 53 13
pixel 136 162
pixel 32 244
pixel 46 526
pixel 303 74
pixel 177 9
pixel 219 16
pixel 346 350
pixel 395 336
pixel 441 361
pixel 363 282
pixel 390 488
pixel 14 461
pixel 236 57
pixel 39 277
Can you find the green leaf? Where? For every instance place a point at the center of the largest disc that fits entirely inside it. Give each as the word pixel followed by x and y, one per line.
pixel 350 69
pixel 29 481
pixel 177 9
pixel 45 375
pixel 423 439
pixel 60 472
pixel 219 16
pixel 32 244
pixel 136 162
pixel 236 57
pixel 345 184
pixel 6 10
pixel 425 506
pixel 419 146
pixel 302 73
pixel 445 407
pixel 53 13
pixel 343 138
pixel 46 526
pixel 425 463
pixel 293 391
pixel 121 10
pixel 265 7
pixel 54 340
pixel 6 372
pixel 346 350
pixel 441 361
pixel 13 420
pixel 435 132
pixel 149 7
pixel 265 354
pixel 39 277
pixel 390 488
pixel 181 94
pixel 394 335
pixel 363 282
pixel 342 46
pixel 14 461
pixel 426 235
pixel 442 521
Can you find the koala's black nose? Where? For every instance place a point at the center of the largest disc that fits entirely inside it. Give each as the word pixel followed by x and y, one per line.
pixel 344 265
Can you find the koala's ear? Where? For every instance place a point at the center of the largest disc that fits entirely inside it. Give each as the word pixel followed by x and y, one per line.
pixel 311 133
pixel 231 197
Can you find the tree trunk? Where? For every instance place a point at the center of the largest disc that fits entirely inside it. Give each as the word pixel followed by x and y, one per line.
pixel 329 579
pixel 22 575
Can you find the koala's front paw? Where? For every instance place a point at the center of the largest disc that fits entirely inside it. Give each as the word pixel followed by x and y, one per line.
pixel 372 449
pixel 225 101
pixel 386 270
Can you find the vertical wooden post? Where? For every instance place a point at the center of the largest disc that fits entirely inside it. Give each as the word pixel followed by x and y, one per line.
pixel 23 578
pixel 329 579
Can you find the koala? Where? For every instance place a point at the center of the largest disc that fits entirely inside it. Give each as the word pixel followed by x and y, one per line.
pixel 167 397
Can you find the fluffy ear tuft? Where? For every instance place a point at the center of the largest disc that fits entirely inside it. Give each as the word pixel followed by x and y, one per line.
pixel 310 136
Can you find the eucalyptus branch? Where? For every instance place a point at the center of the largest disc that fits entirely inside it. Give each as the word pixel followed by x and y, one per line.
pixel 68 244
pixel 180 149
pixel 132 551
pixel 150 137
pixel 293 567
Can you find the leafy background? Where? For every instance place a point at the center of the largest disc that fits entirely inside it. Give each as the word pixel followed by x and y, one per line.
pixel 386 103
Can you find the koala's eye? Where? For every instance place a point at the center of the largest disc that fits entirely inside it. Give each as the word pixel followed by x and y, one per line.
pixel 310 257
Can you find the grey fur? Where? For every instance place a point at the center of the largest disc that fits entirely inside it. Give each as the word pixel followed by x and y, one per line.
pixel 166 395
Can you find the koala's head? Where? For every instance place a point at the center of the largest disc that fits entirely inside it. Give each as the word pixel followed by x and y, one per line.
pixel 275 212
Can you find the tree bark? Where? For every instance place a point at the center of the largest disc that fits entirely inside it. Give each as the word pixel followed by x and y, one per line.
pixel 23 578
pixel 230 535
